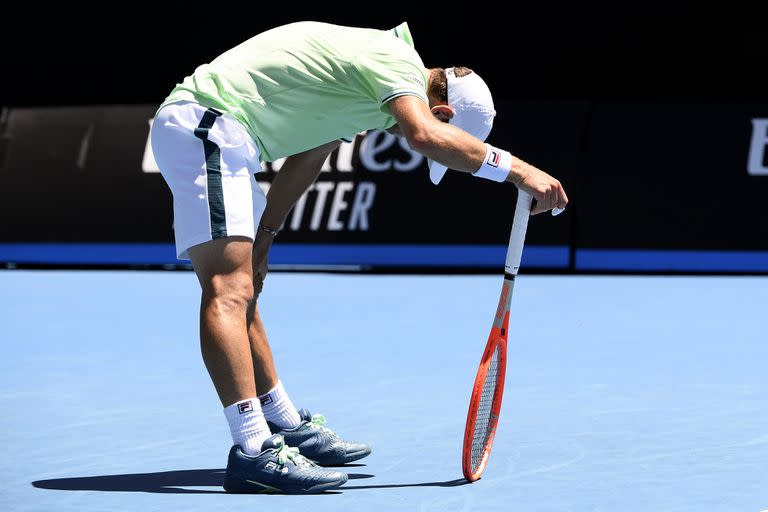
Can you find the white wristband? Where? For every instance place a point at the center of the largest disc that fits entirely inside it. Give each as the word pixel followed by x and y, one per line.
pixel 496 165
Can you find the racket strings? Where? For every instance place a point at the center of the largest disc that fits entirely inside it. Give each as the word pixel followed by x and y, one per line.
pixel 484 422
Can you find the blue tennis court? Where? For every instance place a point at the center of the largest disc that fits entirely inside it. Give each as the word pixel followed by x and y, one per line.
pixel 623 393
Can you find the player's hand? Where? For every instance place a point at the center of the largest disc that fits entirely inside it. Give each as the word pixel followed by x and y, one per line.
pixel 260 259
pixel 546 190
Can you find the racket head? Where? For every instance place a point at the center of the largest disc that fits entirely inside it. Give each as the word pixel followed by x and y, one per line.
pixel 485 403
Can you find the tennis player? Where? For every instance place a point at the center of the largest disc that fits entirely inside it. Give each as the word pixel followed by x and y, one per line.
pixel 297 91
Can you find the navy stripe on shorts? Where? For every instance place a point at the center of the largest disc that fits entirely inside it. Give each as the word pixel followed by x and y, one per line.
pixel 213 171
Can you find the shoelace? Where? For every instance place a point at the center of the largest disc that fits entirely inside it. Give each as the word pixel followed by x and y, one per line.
pixel 317 421
pixel 286 453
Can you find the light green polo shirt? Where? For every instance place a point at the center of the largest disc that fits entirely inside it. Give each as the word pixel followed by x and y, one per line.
pixel 302 85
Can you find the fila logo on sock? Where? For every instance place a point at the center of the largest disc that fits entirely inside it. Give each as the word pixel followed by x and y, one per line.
pixel 245 407
pixel 266 399
pixel 494 158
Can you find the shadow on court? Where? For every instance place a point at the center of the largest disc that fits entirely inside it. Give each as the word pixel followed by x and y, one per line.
pixel 169 482
pixel 447 483
pixel 162 482
pixel 174 482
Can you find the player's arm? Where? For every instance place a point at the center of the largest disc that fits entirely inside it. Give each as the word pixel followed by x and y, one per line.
pixel 294 178
pixel 459 150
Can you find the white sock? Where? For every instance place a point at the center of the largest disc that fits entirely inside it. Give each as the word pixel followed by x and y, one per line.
pixel 247 424
pixel 278 408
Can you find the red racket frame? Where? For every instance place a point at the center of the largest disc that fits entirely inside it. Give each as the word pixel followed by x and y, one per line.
pixel 497 338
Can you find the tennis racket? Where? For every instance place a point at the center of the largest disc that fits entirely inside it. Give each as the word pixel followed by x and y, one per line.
pixel 485 403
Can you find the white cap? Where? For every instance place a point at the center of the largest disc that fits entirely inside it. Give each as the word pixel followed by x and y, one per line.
pixel 472 103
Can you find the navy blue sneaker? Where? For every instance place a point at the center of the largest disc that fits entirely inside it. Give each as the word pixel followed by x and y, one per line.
pixel 277 469
pixel 317 442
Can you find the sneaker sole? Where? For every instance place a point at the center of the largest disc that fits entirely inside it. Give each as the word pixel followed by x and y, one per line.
pixel 349 457
pixel 253 487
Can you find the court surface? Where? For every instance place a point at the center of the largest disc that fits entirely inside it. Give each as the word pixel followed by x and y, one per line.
pixel 623 393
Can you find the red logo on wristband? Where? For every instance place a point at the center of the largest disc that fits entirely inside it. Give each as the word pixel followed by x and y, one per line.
pixel 494 158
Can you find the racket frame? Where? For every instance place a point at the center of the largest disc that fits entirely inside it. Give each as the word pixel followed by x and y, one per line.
pixel 497 340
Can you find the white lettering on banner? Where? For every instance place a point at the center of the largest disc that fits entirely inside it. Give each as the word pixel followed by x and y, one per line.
pixel 322 189
pixel 371 147
pixel 339 205
pixel 148 163
pixel 358 219
pixel 377 142
pixel 415 160
pixel 340 216
pixel 327 164
pixel 298 211
pixel 757 147
pixel 344 160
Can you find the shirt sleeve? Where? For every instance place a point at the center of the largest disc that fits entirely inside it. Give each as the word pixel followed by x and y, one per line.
pixel 391 68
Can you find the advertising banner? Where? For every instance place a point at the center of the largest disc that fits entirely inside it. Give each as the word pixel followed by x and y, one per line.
pixel 654 187
pixel 85 176
pixel 675 187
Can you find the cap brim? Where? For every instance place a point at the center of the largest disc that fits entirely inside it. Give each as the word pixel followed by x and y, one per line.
pixel 472 105
pixel 436 171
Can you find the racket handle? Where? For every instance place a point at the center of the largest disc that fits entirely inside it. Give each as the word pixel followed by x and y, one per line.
pixel 517 237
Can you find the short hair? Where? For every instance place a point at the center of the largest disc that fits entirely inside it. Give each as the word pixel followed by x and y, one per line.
pixel 438 86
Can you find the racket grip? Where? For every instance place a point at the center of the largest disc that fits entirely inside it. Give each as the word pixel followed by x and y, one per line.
pixel 557 211
pixel 517 237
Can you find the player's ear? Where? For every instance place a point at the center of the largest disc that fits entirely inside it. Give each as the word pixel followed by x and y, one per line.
pixel 443 112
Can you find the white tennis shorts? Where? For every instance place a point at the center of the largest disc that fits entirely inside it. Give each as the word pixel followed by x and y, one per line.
pixel 208 160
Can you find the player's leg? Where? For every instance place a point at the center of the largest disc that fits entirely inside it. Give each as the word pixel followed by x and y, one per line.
pixel 258 461
pixel 203 157
pixel 304 430
pixel 205 160
pixel 275 402
pixel 295 177
pixel 263 360
pixel 223 268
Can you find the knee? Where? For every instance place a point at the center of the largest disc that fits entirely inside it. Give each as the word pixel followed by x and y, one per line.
pixel 229 294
